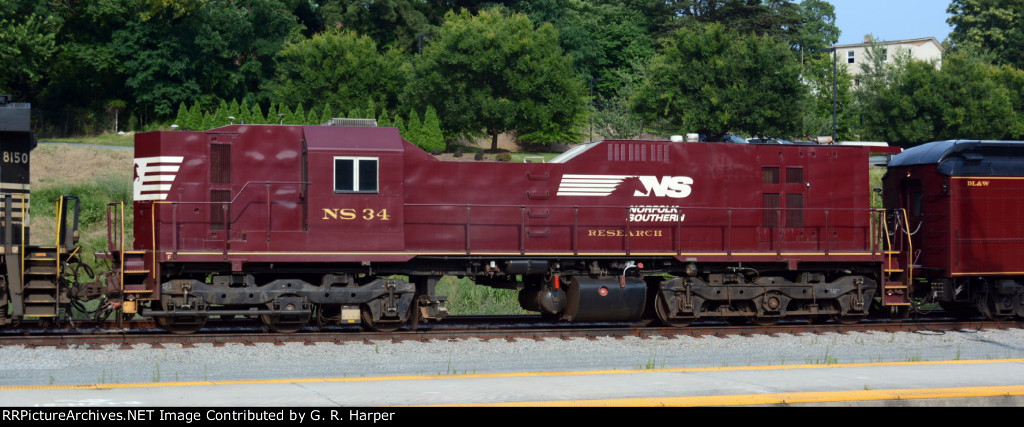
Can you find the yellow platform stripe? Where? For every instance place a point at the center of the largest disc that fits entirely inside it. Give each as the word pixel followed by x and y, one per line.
pixel 779 398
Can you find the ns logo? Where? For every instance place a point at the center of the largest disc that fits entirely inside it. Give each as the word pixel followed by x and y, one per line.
pixel 676 187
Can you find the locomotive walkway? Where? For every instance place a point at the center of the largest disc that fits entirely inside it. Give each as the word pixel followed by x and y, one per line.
pixel 947 383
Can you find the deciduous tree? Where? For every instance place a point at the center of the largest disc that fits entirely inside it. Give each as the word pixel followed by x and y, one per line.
pixel 711 80
pixel 492 72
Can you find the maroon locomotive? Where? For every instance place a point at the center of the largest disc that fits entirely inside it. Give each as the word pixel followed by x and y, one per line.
pixel 955 224
pixel 356 225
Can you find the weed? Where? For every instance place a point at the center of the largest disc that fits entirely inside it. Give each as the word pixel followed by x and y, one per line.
pixel 156 373
pixel 468 298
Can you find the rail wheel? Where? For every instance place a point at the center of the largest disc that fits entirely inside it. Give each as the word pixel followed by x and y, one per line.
pixel 181 326
pixel 661 310
pixel 846 319
pixel 764 321
pixel 286 323
pixel 379 325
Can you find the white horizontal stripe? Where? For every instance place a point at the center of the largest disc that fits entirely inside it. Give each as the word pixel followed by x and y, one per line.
pixel 570 193
pixel 156 187
pixel 601 177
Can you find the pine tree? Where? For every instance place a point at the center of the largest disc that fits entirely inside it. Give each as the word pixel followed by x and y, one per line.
pixel 414 132
pixel 182 118
pixel 272 112
pixel 327 115
pixel 234 110
pixel 285 115
pixel 299 116
pixel 195 118
pixel 244 112
pixel 371 111
pixel 220 116
pixel 256 115
pixel 431 135
pixel 312 117
pixel 400 124
pixel 384 121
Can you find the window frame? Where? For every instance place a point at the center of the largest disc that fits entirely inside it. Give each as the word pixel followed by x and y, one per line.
pixel 356 184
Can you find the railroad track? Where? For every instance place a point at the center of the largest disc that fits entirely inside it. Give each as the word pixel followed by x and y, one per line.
pixel 509 328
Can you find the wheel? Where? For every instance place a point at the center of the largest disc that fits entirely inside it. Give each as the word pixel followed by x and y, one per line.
pixel 662 311
pixel 760 320
pixel 764 321
pixel 847 319
pixel 181 325
pixel 285 323
pixel 274 324
pixel 178 326
pixel 380 325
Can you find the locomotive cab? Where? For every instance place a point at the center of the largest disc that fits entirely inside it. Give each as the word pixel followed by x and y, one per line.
pixel 356 191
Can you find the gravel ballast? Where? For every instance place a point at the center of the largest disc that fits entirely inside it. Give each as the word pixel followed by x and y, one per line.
pixel 112 364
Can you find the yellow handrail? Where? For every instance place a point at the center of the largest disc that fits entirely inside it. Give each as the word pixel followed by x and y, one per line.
pixel 56 232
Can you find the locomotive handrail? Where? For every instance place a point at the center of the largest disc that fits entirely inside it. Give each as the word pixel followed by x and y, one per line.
pixel 678 227
pixel 225 205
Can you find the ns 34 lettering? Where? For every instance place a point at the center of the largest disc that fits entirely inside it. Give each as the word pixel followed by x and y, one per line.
pixel 351 214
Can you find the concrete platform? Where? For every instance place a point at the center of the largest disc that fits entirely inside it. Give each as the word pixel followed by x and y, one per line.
pixel 946 383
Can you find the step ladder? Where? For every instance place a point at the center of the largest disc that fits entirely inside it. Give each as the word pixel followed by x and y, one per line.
pixel 41 295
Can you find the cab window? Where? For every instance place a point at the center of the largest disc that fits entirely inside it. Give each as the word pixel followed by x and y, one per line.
pixel 355 174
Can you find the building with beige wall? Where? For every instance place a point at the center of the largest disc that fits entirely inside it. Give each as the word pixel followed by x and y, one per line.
pixel 924 49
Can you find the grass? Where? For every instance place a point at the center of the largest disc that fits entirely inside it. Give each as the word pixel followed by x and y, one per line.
pixel 126 140
pixel 467 298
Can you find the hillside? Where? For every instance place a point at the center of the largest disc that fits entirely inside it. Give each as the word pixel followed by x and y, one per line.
pixel 89 172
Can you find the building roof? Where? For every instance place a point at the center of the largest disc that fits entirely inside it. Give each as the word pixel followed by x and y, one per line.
pixel 914 42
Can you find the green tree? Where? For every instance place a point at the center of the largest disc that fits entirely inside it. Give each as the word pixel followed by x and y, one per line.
pixel 497 73
pixel 182 118
pixel 327 114
pixel 805 25
pixel 256 114
pixel 390 23
pixel 414 130
pixel 911 102
pixel 820 71
pixel 602 38
pixel 313 117
pixel 338 67
pixel 712 80
pixel 1013 80
pixel 996 26
pixel 431 134
pixel 214 50
pixel 26 43
pixel 384 121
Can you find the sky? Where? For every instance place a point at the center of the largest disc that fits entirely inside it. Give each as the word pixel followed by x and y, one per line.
pixel 891 19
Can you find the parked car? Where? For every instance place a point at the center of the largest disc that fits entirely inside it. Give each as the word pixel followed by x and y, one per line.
pixel 723 137
pixel 779 141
